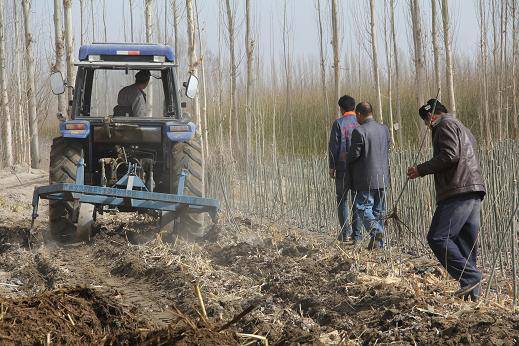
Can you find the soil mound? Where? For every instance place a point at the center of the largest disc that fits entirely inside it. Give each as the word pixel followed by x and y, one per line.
pixel 64 316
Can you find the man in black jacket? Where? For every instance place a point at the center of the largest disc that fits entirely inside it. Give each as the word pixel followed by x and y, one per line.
pixel 368 165
pixel 459 190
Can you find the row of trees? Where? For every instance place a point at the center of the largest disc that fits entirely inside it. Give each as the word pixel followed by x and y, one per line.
pixel 20 130
pixel 264 100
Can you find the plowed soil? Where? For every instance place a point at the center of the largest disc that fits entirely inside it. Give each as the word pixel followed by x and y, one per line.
pixel 289 285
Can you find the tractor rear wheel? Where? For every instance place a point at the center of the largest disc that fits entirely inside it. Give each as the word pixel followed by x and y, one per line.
pixel 64 158
pixel 187 156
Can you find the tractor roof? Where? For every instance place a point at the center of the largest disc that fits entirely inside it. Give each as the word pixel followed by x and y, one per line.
pixel 125 50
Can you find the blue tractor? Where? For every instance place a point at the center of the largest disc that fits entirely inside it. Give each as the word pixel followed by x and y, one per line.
pixel 110 159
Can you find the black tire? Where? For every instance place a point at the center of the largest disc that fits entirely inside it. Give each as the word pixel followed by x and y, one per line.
pixel 188 156
pixel 64 157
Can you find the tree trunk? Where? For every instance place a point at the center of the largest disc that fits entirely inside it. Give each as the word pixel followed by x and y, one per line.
pixel 515 62
pixel 131 21
pixel 23 144
pixel 375 61
pixel 448 56
pixel 436 49
pixel 249 48
pixel 233 71
pixel 203 116
pixel 69 48
pixel 418 52
pixel 193 69
pixel 397 76
pixel 81 20
pixel 93 20
pixel 323 66
pixel 148 10
pixel 4 98
pixel 31 102
pixel 389 77
pixel 335 47
pixel 58 38
pixel 483 47
pixel 288 82
pixel 175 35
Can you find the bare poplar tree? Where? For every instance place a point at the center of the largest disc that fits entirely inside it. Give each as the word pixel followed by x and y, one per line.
pixel 389 53
pixel 31 101
pixel 288 80
pixel 249 48
pixel 375 60
pixel 24 152
pixel 397 74
pixel 448 56
pixel 175 34
pixel 59 44
pixel 235 133
pixel 130 3
pixel 484 49
pixel 436 49
pixel 148 10
pixel 81 19
pixel 92 17
pixel 515 62
pixel 418 51
pixel 4 98
pixel 193 66
pixel 335 47
pixel 201 61
pixel 322 60
pixel 69 46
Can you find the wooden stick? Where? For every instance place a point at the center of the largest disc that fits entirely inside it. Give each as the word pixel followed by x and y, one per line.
pixel 237 317
pixel 71 320
pixel 200 300
pixel 263 339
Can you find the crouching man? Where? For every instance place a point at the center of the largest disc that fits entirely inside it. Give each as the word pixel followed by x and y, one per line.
pixel 368 165
pixel 459 191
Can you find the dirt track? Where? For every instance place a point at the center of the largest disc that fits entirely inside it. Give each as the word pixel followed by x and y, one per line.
pixel 125 286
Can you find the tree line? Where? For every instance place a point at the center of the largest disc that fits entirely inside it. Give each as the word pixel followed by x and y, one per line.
pixel 259 100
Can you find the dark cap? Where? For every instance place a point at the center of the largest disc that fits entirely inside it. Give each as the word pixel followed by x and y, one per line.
pixel 142 76
pixel 432 106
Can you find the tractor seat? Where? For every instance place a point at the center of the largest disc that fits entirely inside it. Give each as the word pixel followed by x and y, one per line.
pixel 123 111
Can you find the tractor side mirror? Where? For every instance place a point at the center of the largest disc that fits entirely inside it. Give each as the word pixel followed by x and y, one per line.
pixel 57 84
pixel 191 86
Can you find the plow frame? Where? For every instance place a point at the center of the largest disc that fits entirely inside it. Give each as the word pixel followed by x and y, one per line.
pixel 122 197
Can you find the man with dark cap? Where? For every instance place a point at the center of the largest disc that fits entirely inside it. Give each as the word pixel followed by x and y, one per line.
pixel 368 165
pixel 460 189
pixel 131 99
pixel 338 147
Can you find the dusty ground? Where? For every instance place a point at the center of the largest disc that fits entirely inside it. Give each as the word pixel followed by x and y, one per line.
pixel 298 287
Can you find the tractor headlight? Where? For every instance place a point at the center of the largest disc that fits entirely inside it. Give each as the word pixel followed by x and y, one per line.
pixel 75 129
pixel 179 132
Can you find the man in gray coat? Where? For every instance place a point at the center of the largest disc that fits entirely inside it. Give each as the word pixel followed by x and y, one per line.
pixel 131 99
pixel 368 165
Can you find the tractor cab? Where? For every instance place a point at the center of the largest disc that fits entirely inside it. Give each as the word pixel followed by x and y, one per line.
pixel 104 69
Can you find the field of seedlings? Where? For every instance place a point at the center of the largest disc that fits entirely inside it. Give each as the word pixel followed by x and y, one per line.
pixel 271 270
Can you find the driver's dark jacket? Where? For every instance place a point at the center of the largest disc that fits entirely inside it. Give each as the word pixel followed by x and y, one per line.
pixel 454 164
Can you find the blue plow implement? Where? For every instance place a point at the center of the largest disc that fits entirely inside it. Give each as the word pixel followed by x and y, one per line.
pixel 130 193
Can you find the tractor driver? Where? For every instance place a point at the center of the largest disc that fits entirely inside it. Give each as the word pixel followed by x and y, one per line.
pixel 132 98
